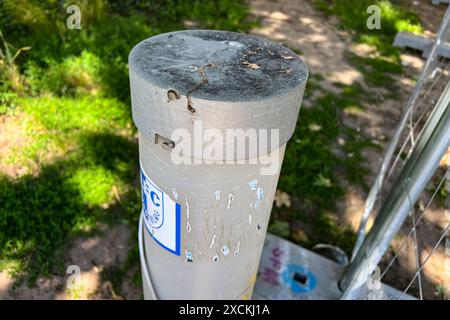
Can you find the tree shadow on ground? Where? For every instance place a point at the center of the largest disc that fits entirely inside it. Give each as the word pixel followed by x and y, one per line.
pixel 40 213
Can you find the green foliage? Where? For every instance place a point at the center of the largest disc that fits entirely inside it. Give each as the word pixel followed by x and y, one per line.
pixel 69 194
pixel 309 158
pixel 35 215
pixel 441 188
pixel 75 93
pixel 67 115
pixel 95 193
pixel 63 61
pixel 10 77
pixel 39 213
pixel 280 228
pixel 353 149
pixel 37 16
pixel 171 14
pixel 311 161
pixel 328 230
pixel 316 166
pixel 74 75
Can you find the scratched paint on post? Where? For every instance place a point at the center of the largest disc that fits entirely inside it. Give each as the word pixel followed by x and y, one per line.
pixel 162 217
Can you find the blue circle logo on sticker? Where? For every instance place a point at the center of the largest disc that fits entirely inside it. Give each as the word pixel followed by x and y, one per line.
pixel 299 278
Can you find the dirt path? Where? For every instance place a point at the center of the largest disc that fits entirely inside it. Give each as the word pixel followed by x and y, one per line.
pixel 93 256
pixel 323 47
pixel 297 25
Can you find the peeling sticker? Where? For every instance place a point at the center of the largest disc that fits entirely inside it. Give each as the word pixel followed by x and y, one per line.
pixel 259 196
pixel 230 198
pixel 188 227
pixel 189 257
pixel 259 193
pixel 215 258
pixel 253 184
pixel 236 251
pixel 225 250
pixel 175 195
pixel 217 194
pixel 187 209
pixel 213 240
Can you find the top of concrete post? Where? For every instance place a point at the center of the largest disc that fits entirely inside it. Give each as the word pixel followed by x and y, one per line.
pixel 218 65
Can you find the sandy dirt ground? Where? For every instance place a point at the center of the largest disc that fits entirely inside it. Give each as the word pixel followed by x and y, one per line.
pixel 92 255
pixel 323 46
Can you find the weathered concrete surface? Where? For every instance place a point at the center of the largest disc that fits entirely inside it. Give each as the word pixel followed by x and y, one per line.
pixel 237 67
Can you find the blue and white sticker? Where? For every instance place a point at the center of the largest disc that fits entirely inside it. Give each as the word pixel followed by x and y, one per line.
pixel 162 215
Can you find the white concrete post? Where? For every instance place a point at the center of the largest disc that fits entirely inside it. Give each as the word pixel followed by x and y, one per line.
pixel 214 111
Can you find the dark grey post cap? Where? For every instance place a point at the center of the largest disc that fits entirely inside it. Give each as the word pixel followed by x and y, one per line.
pixel 225 79
pixel 238 67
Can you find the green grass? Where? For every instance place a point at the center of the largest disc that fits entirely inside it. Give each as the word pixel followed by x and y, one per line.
pixel 315 166
pixel 377 72
pixel 310 163
pixel 80 137
pixel 62 61
pixel 39 213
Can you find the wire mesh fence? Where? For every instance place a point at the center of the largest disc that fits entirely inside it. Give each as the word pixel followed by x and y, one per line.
pixel 416 259
pixel 411 248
